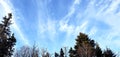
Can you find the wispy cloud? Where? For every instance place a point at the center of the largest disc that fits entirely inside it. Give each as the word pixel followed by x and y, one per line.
pixel 22 37
pixel 72 31
pixel 48 29
pixel 71 11
pixel 113 7
pixel 6 6
pixel 64 21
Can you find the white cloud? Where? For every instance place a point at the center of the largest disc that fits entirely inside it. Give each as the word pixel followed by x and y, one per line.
pixel 47 28
pixel 66 18
pixel 51 25
pixel 51 28
pixel 22 37
pixel 92 31
pixel 64 21
pixel 70 29
pixel 6 6
pixel 73 31
pixel 113 6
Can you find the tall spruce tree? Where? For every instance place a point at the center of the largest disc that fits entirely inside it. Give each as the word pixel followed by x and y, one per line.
pixel 7 40
pixel 61 53
pixel 84 47
pixel 71 52
pixel 56 54
pixel 108 53
pixel 98 51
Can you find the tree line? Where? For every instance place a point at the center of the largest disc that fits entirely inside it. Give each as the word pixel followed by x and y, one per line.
pixel 84 47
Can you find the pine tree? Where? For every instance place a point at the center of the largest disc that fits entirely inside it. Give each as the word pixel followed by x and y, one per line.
pixel 7 40
pixel 72 52
pixel 61 53
pixel 84 47
pixel 56 54
pixel 98 51
pixel 108 53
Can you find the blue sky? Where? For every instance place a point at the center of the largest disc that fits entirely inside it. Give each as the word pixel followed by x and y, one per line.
pixel 53 24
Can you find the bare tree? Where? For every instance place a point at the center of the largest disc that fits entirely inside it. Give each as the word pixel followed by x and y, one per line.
pixel 66 51
pixel 35 51
pixel 45 53
pixel 27 51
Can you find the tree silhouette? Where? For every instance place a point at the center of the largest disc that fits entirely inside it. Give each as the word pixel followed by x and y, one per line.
pixel 108 53
pixel 7 40
pixel 56 54
pixel 71 53
pixel 61 53
pixel 84 46
pixel 98 51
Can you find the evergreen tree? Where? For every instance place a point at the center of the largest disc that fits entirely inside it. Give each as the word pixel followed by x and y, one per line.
pixel 71 52
pixel 84 46
pixel 7 40
pixel 61 53
pixel 47 55
pixel 98 51
pixel 56 54
pixel 108 53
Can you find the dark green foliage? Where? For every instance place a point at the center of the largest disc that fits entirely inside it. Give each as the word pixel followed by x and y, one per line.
pixel 71 52
pixel 108 53
pixel 7 40
pixel 56 54
pixel 61 53
pixel 85 47
pixel 48 55
pixel 98 51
